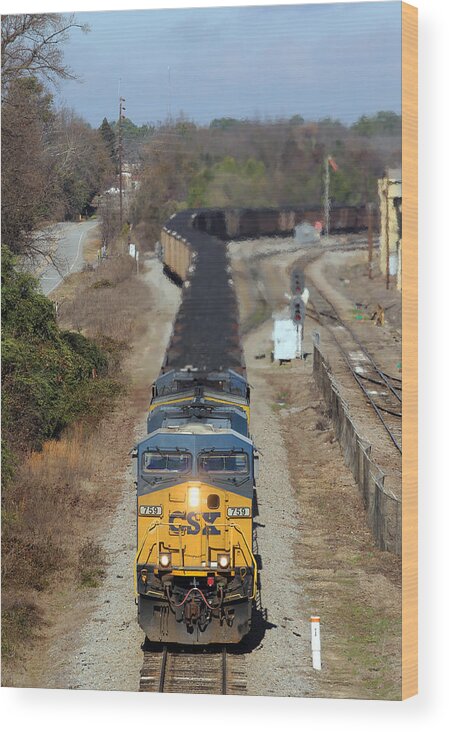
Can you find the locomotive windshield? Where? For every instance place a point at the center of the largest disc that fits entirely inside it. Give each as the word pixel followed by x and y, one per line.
pixel 166 462
pixel 223 463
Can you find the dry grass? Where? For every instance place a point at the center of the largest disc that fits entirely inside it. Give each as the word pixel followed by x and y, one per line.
pixel 43 511
pixel 50 491
pixel 91 564
pixel 92 245
pixel 105 302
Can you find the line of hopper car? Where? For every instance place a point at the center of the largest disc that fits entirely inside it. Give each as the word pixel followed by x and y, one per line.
pixel 195 571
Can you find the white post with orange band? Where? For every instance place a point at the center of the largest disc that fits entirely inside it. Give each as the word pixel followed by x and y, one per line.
pixel 316 642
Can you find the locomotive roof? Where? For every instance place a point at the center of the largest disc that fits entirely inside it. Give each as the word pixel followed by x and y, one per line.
pixel 199 431
pixel 195 428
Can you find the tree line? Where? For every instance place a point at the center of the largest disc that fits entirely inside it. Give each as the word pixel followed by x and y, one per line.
pixel 53 162
pixel 248 163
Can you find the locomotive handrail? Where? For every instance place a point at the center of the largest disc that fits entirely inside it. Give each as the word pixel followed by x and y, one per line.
pixel 234 526
pixel 153 526
pixel 139 552
pixel 179 530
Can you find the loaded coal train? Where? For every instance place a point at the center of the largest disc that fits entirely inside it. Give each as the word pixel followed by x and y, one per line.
pixel 196 575
pixel 195 571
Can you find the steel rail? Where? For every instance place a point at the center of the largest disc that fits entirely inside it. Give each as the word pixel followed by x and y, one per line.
pixel 385 377
pixel 358 378
pixel 163 669
pixel 169 673
pixel 376 408
pixel 223 670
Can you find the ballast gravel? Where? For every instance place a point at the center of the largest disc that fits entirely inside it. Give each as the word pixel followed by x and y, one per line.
pixel 275 666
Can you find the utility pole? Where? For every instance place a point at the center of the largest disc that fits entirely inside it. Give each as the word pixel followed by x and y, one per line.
pixel 327 206
pixel 169 95
pixel 387 241
pixel 120 156
pixel 328 161
pixel 369 207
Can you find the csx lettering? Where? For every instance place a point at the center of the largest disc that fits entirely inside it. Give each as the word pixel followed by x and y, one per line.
pixel 193 525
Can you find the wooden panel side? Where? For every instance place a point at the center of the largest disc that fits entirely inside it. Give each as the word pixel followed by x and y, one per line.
pixel 410 350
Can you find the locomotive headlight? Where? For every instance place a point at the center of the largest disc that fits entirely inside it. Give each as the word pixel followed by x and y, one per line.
pixel 194 497
pixel 223 560
pixel 165 559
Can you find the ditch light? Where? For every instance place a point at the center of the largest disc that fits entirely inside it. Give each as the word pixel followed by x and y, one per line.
pixel 165 559
pixel 223 561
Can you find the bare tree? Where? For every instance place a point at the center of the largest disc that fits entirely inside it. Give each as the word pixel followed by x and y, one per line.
pixel 31 46
pixel 108 211
pixel 40 148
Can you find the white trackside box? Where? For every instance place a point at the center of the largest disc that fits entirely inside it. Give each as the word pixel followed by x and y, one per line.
pixel 287 339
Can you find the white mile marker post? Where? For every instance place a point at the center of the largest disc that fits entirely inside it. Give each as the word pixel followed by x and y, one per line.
pixel 316 642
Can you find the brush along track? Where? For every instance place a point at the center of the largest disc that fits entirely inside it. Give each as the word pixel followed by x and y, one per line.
pixel 187 671
pixel 382 391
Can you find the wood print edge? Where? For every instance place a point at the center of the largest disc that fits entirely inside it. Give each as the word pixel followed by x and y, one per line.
pixel 410 350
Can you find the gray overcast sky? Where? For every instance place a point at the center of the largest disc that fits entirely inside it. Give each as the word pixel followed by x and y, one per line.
pixel 314 60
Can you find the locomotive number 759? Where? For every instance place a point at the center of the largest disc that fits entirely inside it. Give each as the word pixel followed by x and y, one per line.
pixel 239 512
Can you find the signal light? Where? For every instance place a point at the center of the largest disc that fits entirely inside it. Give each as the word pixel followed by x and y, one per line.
pixel 210 581
pixel 297 309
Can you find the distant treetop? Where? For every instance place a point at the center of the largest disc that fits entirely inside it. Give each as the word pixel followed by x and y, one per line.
pixel 382 123
pixel 225 123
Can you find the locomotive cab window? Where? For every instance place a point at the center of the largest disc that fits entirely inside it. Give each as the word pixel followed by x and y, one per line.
pixel 166 462
pixel 223 463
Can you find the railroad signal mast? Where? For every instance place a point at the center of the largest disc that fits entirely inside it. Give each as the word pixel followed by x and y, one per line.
pixel 369 208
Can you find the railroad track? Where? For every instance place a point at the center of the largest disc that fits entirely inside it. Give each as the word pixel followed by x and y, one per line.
pixel 198 671
pixel 309 253
pixel 383 392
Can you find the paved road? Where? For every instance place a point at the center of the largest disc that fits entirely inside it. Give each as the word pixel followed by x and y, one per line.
pixel 69 252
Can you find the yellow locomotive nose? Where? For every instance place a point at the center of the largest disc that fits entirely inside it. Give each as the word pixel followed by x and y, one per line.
pixel 198 528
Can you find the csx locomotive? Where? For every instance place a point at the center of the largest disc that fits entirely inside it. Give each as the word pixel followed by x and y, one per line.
pixel 196 574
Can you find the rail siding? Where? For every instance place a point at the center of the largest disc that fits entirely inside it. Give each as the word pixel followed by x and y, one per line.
pixel 383 509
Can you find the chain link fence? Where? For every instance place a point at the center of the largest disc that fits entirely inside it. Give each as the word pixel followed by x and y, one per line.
pixel 383 509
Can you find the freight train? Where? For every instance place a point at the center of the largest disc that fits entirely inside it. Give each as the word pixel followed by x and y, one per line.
pixel 195 571
pixel 196 574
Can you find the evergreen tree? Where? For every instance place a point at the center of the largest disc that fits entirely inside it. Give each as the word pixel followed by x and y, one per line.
pixel 108 136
